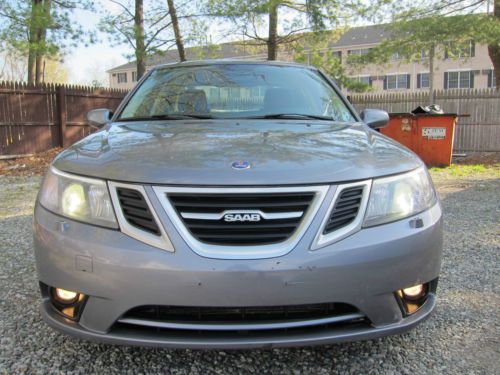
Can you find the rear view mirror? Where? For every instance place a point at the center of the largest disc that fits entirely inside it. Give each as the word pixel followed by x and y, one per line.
pixel 375 118
pixel 97 118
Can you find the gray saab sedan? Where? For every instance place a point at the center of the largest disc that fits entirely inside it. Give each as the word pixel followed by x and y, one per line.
pixel 231 204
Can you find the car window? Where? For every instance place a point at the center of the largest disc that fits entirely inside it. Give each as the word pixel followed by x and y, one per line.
pixel 236 91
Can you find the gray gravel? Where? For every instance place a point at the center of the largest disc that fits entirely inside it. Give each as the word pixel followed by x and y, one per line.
pixel 461 337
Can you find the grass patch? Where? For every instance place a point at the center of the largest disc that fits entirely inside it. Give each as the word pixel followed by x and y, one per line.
pixel 458 170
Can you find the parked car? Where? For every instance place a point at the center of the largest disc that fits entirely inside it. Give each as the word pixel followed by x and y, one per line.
pixel 236 204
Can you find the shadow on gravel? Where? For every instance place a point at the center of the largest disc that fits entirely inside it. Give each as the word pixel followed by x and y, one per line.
pixel 459 337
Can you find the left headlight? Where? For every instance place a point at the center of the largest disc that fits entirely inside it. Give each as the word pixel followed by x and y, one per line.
pixel 80 198
pixel 397 197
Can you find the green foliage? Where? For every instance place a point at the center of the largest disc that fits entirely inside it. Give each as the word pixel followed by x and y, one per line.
pixel 249 17
pixel 18 17
pixel 412 38
pixel 318 54
pixel 203 46
pixel 120 27
pixel 458 170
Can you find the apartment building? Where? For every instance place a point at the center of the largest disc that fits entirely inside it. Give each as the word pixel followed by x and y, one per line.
pixel 468 67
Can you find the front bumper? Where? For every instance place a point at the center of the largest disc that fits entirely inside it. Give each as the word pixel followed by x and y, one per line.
pixel 119 273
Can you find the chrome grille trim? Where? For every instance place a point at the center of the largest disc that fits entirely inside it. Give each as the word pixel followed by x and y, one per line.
pixel 162 241
pixel 264 215
pixel 322 239
pixel 241 252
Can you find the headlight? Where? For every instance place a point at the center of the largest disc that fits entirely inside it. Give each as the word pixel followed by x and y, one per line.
pixel 398 197
pixel 80 198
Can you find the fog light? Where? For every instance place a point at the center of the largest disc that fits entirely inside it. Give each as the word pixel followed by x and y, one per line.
pixel 414 292
pixel 66 296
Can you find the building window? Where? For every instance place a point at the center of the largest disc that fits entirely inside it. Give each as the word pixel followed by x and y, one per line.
pixel 337 55
pixel 354 54
pixel 492 78
pixel 423 81
pixel 134 76
pixel 459 80
pixel 460 50
pixel 396 56
pixel 362 51
pixel 122 77
pixel 396 81
pixel 363 79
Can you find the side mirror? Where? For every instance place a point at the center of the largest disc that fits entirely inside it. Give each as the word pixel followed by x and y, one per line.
pixel 97 118
pixel 375 118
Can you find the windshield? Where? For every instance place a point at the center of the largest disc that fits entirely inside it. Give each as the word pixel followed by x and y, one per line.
pixel 236 91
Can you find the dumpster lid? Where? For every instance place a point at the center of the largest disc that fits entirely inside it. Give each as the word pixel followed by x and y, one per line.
pixel 409 114
pixel 432 109
pixel 428 110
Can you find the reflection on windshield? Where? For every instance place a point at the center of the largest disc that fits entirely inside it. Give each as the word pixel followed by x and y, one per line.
pixel 236 91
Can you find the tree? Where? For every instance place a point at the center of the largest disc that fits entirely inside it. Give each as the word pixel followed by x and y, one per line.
pixel 260 20
pixel 129 27
pixel 13 64
pixel 140 48
pixel 314 49
pixel 177 32
pixel 152 28
pixel 40 29
pixel 54 71
pixel 483 28
pixel 445 27
pixel 202 46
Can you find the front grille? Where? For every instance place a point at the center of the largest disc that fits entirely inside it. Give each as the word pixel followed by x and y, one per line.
pixel 345 209
pixel 136 211
pixel 232 322
pixel 239 314
pixel 279 216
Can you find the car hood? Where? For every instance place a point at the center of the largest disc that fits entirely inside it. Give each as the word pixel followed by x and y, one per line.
pixel 201 153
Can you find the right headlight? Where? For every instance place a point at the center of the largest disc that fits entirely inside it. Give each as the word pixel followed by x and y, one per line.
pixel 80 198
pixel 397 197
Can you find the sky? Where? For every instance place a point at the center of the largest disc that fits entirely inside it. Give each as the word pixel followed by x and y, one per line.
pixel 84 64
pixel 87 63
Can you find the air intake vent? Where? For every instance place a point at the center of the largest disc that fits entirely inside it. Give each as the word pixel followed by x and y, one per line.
pixel 136 210
pixel 346 209
pixel 250 315
pixel 242 219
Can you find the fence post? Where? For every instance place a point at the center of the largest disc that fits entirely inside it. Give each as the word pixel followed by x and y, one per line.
pixel 61 114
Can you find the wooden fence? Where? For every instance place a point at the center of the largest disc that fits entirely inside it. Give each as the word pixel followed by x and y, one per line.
pixel 478 127
pixel 37 118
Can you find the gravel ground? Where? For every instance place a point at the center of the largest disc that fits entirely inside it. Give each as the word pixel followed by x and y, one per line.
pixel 461 337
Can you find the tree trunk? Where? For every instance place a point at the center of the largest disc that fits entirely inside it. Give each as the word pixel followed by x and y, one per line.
pixel 42 36
pixel 140 49
pixel 272 45
pixel 432 53
pixel 177 32
pixel 33 40
pixel 494 49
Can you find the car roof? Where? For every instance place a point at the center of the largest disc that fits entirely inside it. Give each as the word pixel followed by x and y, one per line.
pixel 232 62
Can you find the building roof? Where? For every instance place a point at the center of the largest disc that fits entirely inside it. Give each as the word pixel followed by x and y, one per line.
pixel 237 50
pixel 234 62
pixel 354 36
pixel 224 50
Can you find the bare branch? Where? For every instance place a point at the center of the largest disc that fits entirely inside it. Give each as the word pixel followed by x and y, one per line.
pixel 123 7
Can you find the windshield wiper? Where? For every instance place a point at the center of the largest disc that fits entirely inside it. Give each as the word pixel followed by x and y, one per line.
pixel 291 116
pixel 171 116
